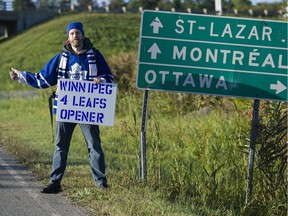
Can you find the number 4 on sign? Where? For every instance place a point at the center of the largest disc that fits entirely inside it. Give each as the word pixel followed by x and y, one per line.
pixel 64 100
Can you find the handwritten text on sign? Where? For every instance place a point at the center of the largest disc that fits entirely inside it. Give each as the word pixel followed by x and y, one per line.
pixel 84 102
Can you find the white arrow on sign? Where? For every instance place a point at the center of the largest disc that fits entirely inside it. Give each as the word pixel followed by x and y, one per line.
pixel 156 24
pixel 154 50
pixel 279 87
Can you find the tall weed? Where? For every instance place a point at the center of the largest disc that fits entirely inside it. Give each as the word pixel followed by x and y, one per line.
pixel 193 158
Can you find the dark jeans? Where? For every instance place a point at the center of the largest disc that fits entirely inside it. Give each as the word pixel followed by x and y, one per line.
pixel 91 133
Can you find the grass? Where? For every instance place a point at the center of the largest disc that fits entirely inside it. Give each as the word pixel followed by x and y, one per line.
pixel 171 157
pixel 31 50
pixel 196 145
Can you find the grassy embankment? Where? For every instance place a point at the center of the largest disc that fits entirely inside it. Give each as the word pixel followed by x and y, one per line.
pixel 196 153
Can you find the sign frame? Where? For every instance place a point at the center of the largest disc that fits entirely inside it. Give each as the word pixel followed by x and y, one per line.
pixel 166 74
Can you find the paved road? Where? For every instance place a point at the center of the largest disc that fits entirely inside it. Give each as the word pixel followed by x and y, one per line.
pixel 20 193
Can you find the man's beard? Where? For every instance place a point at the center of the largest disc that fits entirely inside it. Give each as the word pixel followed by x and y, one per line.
pixel 76 43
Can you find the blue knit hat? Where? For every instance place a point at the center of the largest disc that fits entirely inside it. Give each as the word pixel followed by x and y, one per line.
pixel 76 25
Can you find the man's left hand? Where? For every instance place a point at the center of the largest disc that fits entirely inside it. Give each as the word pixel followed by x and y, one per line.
pixel 97 80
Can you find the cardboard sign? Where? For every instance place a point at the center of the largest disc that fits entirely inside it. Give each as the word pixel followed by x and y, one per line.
pixel 85 102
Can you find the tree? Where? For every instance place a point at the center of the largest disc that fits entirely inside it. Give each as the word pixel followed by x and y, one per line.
pixel 22 5
pixel 200 4
pixel 241 4
pixel 146 4
pixel 177 4
pixel 86 2
pixel 189 4
pixel 165 5
pixel 116 3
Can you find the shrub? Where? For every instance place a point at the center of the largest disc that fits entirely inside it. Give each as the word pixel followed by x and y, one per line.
pixel 123 67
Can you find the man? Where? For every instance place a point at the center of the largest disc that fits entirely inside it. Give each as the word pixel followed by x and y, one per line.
pixel 78 60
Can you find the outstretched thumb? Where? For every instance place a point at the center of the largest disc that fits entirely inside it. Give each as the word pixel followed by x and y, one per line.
pixel 14 74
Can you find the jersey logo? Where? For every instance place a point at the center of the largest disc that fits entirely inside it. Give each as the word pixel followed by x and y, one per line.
pixel 76 72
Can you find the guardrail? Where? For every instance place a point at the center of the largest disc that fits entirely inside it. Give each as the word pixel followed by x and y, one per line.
pixel 235 12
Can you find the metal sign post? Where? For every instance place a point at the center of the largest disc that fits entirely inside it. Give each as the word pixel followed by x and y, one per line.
pixel 253 137
pixel 213 55
pixel 143 169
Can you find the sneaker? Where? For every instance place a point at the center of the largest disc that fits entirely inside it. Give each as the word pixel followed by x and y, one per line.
pixel 52 189
pixel 103 185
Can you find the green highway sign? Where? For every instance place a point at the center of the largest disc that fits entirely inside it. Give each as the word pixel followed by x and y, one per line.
pixel 202 54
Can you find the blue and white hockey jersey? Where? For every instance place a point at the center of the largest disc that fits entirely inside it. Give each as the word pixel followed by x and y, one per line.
pixel 89 64
pixel 80 67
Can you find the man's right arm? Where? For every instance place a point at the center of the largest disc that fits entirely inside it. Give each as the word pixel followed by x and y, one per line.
pixel 45 78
